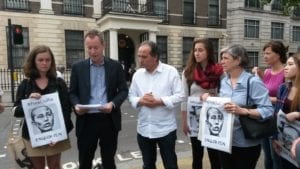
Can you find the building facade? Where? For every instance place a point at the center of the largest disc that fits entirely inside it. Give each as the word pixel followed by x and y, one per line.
pixel 252 25
pixel 61 24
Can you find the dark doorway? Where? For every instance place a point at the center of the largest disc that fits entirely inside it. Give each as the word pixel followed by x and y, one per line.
pixel 126 55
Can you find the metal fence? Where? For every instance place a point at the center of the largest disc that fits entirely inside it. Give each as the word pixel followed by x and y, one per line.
pixel 18 76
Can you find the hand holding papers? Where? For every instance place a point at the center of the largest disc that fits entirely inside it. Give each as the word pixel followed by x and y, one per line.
pixel 90 106
pixel 94 108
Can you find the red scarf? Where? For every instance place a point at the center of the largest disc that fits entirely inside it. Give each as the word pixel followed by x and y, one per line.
pixel 210 77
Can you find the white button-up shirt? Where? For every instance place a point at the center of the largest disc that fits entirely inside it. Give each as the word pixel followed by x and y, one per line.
pixel 164 83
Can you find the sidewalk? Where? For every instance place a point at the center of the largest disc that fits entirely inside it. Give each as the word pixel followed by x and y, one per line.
pixel 184 162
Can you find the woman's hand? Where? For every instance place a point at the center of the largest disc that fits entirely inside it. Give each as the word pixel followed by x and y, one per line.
pixel 52 143
pixel 235 109
pixel 35 96
pixel 204 96
pixel 293 116
pixel 293 148
pixel 185 128
pixel 276 146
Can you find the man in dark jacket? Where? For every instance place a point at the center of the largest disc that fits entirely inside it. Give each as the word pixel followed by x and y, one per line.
pixel 97 80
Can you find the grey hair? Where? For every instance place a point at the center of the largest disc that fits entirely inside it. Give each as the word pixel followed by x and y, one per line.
pixel 237 52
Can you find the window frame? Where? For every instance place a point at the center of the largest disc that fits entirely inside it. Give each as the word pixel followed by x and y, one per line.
pixel 256 26
pixel 162 45
pixel 274 30
pixel 186 52
pixel 71 48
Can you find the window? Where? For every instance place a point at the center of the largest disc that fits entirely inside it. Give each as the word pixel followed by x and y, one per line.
pixel 19 52
pixel 162 45
pixel 16 4
pixel 187 44
pixel 253 59
pixel 73 7
pixel 74 47
pixel 213 12
pixel 277 5
pixel 296 33
pixel 215 43
pixel 277 30
pixel 160 9
pixel 253 4
pixel 251 29
pixel 144 36
pixel 188 12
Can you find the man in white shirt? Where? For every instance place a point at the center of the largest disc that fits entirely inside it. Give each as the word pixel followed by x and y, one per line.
pixel 155 91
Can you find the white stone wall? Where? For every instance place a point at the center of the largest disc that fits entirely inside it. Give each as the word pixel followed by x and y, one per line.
pixel 43 29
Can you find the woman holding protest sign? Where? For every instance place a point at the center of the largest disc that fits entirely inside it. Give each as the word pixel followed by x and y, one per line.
pixel 201 75
pixel 41 79
pixel 245 151
pixel 288 100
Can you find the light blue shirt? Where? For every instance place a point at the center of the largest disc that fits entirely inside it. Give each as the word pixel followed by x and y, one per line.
pixel 98 88
pixel 165 84
pixel 259 96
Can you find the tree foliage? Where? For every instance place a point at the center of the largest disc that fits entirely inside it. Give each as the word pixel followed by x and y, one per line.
pixel 288 5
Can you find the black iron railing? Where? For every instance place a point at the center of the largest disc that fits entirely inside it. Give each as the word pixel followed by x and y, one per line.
pixel 128 7
pixel 73 7
pixel 18 76
pixel 17 4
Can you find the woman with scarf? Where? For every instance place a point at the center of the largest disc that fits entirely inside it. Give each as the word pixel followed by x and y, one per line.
pixel 201 76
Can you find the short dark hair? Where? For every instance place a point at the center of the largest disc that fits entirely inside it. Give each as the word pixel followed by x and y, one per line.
pixel 279 48
pixel 153 47
pixel 93 33
pixel 237 51
pixel 30 69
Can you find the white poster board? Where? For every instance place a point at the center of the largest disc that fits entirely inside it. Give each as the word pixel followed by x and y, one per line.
pixel 44 120
pixel 193 115
pixel 216 124
pixel 287 133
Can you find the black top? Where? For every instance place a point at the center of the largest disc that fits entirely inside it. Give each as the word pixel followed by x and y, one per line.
pixel 28 86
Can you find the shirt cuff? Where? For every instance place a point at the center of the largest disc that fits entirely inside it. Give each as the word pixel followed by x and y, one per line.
pixel 167 102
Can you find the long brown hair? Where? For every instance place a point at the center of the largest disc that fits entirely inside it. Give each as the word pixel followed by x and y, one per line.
pixel 296 100
pixel 30 69
pixel 191 62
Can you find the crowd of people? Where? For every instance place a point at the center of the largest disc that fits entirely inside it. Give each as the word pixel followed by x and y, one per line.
pixel 155 91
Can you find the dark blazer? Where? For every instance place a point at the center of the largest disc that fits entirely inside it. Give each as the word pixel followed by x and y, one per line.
pixel 116 89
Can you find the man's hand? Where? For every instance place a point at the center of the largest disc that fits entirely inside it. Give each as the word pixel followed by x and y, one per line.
pixel 148 100
pixel 107 108
pixel 80 111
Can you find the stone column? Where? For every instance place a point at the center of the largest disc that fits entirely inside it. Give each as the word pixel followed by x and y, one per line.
pixel 46 7
pixel 97 8
pixel 113 44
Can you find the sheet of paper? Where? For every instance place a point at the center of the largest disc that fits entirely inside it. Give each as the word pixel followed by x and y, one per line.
pixel 90 106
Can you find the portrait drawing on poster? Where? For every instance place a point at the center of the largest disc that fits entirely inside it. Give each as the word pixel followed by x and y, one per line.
pixel 216 124
pixel 44 120
pixel 287 133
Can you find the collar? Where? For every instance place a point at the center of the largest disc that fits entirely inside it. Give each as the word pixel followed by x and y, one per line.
pixel 241 79
pixel 97 65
